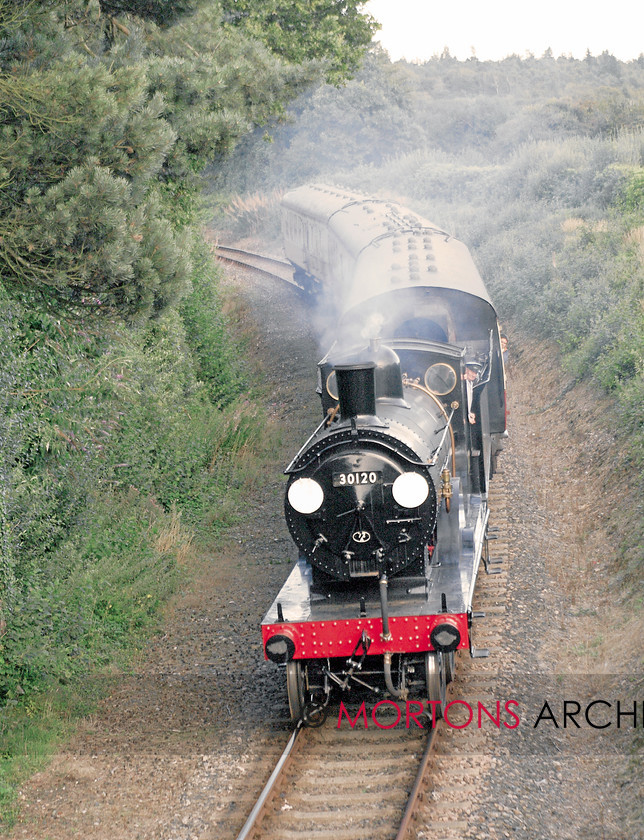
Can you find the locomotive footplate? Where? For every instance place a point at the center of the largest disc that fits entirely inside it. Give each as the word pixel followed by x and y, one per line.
pixel 312 621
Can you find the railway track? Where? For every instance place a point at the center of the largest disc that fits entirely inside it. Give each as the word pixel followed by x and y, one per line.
pixel 268 266
pixel 349 783
pixel 315 791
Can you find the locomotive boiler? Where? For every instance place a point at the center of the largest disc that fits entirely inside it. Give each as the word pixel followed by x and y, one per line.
pixel 363 495
pixel 387 500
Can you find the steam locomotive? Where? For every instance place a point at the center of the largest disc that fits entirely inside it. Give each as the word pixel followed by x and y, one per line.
pixel 387 499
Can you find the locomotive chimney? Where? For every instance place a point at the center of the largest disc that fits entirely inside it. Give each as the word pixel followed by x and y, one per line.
pixel 357 389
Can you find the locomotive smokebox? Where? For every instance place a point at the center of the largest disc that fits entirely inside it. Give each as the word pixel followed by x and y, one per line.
pixel 356 389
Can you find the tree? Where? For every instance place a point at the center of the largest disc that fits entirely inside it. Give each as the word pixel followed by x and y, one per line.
pixel 333 31
pixel 102 129
pixel 162 12
pixel 329 128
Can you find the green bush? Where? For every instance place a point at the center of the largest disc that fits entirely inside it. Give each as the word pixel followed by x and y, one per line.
pixel 110 434
pixel 218 362
pixel 107 586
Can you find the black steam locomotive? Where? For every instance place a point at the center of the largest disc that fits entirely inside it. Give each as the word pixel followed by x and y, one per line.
pixel 387 500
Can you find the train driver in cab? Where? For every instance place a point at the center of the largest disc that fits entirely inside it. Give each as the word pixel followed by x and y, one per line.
pixel 471 375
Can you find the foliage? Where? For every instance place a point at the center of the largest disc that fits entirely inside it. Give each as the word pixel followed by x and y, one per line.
pixel 368 122
pixel 633 195
pixel 335 31
pixel 85 141
pixel 89 418
pixel 477 112
pixel 249 215
pixel 160 11
pixel 123 420
pixel 59 628
pixel 218 362
pixel 118 453
pixel 85 243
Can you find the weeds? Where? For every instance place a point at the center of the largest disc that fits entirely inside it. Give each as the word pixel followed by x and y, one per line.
pixel 251 214
pixel 124 448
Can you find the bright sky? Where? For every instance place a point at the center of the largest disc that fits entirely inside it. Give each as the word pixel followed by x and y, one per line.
pixel 418 29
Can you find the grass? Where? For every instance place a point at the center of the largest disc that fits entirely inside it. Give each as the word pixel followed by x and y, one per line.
pixel 32 731
pixel 154 443
pixel 250 215
pixel 146 551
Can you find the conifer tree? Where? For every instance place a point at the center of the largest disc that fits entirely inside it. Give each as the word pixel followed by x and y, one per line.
pixel 101 117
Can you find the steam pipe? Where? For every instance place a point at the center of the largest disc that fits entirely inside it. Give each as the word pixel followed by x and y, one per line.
pixel 387 637
pixel 303 448
pixel 402 695
pixel 448 428
pixel 384 609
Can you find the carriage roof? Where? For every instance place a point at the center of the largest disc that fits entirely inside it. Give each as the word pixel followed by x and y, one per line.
pixel 393 247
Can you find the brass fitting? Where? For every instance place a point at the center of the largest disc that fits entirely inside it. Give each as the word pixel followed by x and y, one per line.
pixel 446 488
pixel 331 414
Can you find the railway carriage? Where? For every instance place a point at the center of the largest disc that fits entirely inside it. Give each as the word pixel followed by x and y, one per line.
pixel 387 500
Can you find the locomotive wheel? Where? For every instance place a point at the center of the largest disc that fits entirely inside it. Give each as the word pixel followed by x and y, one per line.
pixel 436 678
pixel 295 689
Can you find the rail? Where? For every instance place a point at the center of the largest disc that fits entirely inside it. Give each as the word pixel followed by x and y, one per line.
pixel 255 816
pixel 252 828
pixel 271 267
pixel 416 792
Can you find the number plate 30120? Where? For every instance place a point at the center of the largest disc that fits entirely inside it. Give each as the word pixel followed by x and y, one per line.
pixel 355 479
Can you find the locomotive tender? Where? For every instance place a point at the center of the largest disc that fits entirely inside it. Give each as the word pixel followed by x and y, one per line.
pixel 387 500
